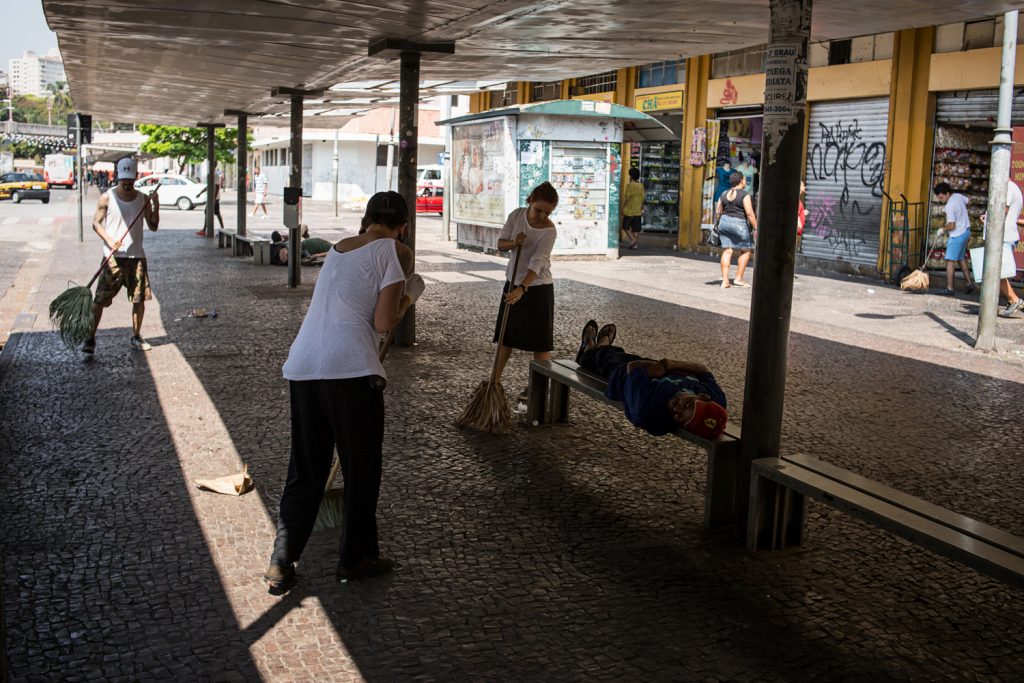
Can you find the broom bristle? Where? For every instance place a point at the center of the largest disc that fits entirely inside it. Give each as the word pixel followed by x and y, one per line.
pixel 71 313
pixel 488 410
pixel 917 281
pixel 331 512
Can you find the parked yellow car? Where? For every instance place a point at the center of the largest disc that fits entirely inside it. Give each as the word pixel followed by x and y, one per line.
pixel 18 186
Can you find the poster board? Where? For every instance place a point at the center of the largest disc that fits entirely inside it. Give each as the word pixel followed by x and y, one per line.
pixel 478 173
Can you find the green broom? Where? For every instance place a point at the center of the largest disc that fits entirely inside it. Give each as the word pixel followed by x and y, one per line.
pixel 71 310
pixel 488 408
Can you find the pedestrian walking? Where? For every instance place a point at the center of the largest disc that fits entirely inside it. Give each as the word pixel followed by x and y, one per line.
pixel 336 383
pixel 1011 235
pixel 530 293
pixel 958 225
pixel 633 208
pixel 737 228
pixel 261 188
pixel 125 264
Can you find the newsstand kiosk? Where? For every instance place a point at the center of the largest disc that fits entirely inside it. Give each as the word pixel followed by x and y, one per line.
pixel 498 156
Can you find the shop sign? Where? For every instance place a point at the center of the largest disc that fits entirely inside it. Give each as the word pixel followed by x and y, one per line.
pixel 730 95
pixel 659 102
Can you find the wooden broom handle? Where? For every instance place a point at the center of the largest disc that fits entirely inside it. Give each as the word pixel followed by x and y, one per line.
pixel 504 317
pixel 127 230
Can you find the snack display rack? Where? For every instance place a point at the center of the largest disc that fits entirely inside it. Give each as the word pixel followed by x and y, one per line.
pixel 961 158
pixel 659 172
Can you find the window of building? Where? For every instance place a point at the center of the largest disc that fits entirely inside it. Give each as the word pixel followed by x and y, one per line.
pixel 738 62
pixel 590 85
pixel 506 97
pixel 661 73
pixel 839 52
pixel 543 92
pixel 979 34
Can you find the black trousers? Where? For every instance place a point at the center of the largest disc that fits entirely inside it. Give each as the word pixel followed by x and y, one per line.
pixel 604 360
pixel 347 414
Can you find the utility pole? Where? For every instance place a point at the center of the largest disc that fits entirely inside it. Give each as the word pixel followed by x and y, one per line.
pixel 211 170
pixel 999 176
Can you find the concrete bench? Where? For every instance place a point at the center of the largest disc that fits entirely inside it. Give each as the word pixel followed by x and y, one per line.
pixel 550 382
pixel 245 245
pixel 775 521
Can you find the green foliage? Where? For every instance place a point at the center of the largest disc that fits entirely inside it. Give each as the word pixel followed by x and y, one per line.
pixel 188 145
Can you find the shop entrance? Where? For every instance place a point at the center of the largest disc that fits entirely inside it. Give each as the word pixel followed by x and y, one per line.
pixel 659 165
pixel 733 144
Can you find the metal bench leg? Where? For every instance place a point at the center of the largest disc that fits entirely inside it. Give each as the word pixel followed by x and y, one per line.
pixel 559 402
pixel 536 405
pixel 720 486
pixel 776 516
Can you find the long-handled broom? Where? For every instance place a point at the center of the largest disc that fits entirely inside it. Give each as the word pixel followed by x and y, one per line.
pixel 918 281
pixel 71 310
pixel 488 409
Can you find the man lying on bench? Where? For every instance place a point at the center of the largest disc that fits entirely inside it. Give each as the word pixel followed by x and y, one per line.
pixel 657 395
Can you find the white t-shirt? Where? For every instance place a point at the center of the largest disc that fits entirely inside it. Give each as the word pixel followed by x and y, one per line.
pixel 536 253
pixel 1014 205
pixel 337 339
pixel 119 212
pixel 956 212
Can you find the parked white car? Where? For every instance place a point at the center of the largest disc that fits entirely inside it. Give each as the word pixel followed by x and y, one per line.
pixel 174 189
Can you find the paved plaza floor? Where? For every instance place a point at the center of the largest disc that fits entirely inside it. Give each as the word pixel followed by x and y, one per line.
pixel 558 553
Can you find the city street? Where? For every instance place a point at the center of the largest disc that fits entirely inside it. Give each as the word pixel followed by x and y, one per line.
pixel 557 553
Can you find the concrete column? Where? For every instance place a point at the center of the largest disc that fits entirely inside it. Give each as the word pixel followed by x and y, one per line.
pixel 295 180
pixel 785 110
pixel 211 183
pixel 695 115
pixel 409 82
pixel 999 176
pixel 243 171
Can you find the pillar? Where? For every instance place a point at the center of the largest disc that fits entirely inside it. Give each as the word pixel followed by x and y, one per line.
pixel 785 111
pixel 242 154
pixel 408 108
pixel 295 180
pixel 691 178
pixel 909 141
pixel 211 178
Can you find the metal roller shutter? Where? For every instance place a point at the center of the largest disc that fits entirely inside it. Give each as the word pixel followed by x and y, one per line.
pixel 975 107
pixel 845 171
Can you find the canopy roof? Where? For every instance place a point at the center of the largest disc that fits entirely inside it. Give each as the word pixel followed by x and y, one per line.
pixel 186 61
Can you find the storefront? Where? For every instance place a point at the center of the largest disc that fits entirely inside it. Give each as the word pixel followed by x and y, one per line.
pixel 845 174
pixel 658 161
pixel 964 127
pixel 500 155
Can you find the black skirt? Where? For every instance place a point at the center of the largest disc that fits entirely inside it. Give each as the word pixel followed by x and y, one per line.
pixel 531 320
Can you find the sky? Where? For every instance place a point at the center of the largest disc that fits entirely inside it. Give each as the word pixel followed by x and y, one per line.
pixel 23 28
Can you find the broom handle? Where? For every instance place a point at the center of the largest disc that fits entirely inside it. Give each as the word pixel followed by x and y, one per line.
pixel 504 317
pixel 127 230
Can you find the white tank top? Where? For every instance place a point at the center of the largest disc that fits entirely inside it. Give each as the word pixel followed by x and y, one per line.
pixel 119 211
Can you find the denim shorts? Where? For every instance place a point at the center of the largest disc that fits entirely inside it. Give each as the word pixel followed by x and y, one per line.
pixel 956 247
pixel 734 233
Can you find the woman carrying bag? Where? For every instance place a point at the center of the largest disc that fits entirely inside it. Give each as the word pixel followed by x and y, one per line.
pixel 737 227
pixel 531 297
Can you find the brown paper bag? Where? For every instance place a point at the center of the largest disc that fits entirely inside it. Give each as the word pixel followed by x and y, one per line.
pixel 232 484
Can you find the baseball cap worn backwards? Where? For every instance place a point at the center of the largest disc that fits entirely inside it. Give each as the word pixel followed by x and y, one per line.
pixel 708 420
pixel 127 169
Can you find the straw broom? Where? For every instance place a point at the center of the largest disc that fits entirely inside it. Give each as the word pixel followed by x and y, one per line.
pixel 488 408
pixel 71 310
pixel 918 281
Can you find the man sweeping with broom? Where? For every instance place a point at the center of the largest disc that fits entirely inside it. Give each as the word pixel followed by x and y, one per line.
pixel 125 264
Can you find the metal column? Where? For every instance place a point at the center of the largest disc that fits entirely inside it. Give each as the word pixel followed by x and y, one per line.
pixel 242 154
pixel 211 178
pixel 785 110
pixel 999 176
pixel 408 134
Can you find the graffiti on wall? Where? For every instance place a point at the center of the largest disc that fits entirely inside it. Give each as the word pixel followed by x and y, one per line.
pixel 846 171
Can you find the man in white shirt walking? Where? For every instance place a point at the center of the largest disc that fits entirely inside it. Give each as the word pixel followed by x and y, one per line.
pixel 958 225
pixel 1011 234
pixel 260 189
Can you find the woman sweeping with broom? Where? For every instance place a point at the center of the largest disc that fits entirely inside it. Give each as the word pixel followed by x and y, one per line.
pixel 526 315
pixel 336 383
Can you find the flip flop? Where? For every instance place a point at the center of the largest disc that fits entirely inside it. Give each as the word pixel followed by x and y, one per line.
pixel 589 335
pixel 609 331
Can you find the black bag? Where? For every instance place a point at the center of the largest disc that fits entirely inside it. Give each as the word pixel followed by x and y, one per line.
pixel 714 239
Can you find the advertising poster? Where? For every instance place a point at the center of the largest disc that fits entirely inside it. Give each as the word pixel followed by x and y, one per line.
pixel 478 155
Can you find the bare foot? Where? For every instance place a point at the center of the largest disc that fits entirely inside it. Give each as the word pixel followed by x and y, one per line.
pixel 740 283
pixel 725 284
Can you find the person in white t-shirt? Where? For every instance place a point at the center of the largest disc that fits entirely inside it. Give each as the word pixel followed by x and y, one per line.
pixel 1011 235
pixel 958 225
pixel 260 191
pixel 336 382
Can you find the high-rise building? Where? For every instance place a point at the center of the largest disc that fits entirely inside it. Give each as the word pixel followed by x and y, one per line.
pixel 30 74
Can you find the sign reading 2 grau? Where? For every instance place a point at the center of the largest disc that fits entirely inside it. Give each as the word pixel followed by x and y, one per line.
pixel 659 102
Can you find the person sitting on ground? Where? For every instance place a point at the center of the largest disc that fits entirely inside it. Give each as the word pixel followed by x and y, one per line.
pixel 658 396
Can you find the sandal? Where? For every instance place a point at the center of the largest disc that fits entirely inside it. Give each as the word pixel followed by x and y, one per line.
pixel 588 338
pixel 609 331
pixel 279 579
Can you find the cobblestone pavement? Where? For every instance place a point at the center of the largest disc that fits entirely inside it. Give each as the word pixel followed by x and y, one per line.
pixel 556 553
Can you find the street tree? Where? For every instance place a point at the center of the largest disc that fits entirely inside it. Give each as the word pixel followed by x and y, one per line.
pixel 188 145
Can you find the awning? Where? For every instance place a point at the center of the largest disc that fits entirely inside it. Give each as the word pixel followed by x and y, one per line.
pixel 636 124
